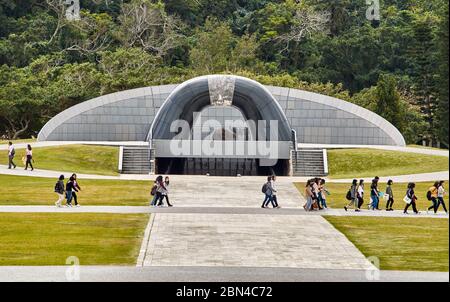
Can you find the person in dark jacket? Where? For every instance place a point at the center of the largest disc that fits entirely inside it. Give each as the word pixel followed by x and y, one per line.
pixel 374 194
pixel 268 195
pixel 76 189
pixel 390 193
pixel 354 196
pixel 59 189
pixel 410 194
pixel 70 188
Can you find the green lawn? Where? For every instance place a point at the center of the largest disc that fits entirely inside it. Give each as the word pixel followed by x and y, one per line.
pixel 357 163
pixel 87 159
pixel 49 239
pixel 338 192
pixel 23 190
pixel 18 141
pixel 400 243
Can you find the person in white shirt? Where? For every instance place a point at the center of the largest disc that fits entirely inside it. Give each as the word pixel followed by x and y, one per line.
pixel 360 193
pixel 11 154
pixel 29 155
pixel 441 194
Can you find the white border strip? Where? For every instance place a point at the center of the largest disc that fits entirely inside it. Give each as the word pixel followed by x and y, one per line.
pixel 120 159
pixel 325 161
pixel 145 240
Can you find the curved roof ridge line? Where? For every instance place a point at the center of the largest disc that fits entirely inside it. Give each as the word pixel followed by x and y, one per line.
pixel 349 107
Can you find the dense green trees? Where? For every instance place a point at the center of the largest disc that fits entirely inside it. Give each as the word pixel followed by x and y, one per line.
pixel 397 66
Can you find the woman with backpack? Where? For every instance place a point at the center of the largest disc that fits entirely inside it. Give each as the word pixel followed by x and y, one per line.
pixel 352 195
pixel 268 191
pixel 432 195
pixel 59 189
pixel 390 196
pixel 410 198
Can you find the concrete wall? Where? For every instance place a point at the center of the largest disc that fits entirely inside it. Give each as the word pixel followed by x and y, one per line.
pixel 128 115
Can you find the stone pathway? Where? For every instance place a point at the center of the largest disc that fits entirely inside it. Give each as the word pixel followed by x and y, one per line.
pixel 212 210
pixel 250 241
pixel 206 274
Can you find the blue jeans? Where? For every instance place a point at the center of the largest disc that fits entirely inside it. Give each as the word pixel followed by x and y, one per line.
pixel 375 201
pixel 69 197
pixel 267 199
pixel 322 201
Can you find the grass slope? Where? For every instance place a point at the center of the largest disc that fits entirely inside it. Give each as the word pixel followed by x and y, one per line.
pixel 23 190
pixel 87 159
pixel 351 163
pixel 49 239
pixel 400 243
pixel 338 191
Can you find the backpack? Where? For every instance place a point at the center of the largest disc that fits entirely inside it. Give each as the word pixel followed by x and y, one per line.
pixel 349 195
pixel 57 187
pixel 429 195
pixel 264 188
pixel 153 191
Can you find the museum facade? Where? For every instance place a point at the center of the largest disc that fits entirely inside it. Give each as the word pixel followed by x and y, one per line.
pixel 156 114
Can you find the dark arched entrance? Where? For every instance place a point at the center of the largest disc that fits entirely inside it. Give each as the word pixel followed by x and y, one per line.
pixel 255 103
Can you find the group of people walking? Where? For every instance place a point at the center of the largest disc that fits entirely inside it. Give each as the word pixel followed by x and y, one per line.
pixel 68 191
pixel 356 196
pixel 316 195
pixel 28 158
pixel 160 191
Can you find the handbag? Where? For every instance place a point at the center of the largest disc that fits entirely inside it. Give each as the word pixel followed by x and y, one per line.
pixel 407 199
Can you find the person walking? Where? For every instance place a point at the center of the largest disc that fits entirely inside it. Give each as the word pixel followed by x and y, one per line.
pixel 441 195
pixel 165 192
pixel 411 198
pixel 29 157
pixel 360 194
pixel 11 154
pixel 76 188
pixel 59 189
pixel 323 192
pixel 316 191
pixel 153 193
pixel 274 193
pixel 374 194
pixel 390 196
pixel 432 195
pixel 160 189
pixel 353 196
pixel 70 188
pixel 309 196
pixel 268 193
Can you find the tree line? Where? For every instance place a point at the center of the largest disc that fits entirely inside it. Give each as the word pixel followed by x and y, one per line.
pixel 396 66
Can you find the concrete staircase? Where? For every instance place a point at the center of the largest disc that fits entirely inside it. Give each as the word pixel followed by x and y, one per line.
pixel 136 160
pixel 309 162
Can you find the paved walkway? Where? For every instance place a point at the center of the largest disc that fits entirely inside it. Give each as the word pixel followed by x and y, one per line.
pixel 212 210
pixel 208 274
